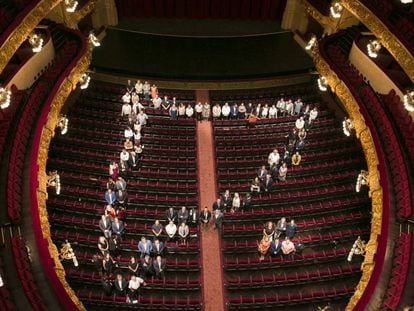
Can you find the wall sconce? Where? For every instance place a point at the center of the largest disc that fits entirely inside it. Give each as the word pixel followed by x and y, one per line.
pixel 312 43
pixel 5 97
pixel 357 249
pixel 53 181
pixel 71 5
pixel 362 180
pixel 373 47
pixel 323 84
pixel 336 10
pixel 409 101
pixel 36 42
pixel 63 125
pixel 84 81
pixel 406 1
pixel 67 253
pixel 347 126
pixel 94 40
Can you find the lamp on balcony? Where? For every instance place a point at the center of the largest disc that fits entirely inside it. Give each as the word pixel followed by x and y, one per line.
pixel 357 249
pixel 409 101
pixel 362 180
pixel 84 81
pixel 406 1
pixel 336 10
pixel 347 126
pixel 323 84
pixel 36 42
pixel 63 124
pixel 94 40
pixel 1 281
pixel 5 97
pixel 53 181
pixel 71 5
pixel 373 47
pixel 312 43
pixel 67 253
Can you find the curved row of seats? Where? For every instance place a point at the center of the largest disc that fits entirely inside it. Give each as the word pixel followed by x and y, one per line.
pixel 389 149
pixel 319 195
pixel 163 179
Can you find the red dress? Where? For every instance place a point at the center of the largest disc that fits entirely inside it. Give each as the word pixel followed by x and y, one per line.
pixel 154 91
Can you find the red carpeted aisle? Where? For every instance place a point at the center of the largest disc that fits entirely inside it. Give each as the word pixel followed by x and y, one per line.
pixel 210 241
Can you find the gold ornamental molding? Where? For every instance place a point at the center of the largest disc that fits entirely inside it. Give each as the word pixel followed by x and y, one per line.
pixel 363 133
pixel 72 19
pixel 68 85
pixel 380 30
pixel 326 21
pixel 20 34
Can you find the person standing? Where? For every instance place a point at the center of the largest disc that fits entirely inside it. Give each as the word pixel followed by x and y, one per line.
pixel 206 111
pixel 205 217
pixel 218 220
pixel 199 111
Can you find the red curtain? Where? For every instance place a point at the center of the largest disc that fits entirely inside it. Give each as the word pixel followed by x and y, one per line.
pixel 227 9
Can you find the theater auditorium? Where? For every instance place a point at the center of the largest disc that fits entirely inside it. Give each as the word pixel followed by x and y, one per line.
pixel 206 155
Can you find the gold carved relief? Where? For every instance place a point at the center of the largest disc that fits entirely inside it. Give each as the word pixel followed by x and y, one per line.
pixel 72 19
pixel 47 134
pixel 364 135
pixel 387 38
pixel 20 34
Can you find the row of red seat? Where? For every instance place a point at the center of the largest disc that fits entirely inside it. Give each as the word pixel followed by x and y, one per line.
pixel 401 265
pixel 24 271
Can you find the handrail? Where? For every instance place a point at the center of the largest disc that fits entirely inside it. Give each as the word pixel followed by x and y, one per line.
pixel 37 179
pixel 378 182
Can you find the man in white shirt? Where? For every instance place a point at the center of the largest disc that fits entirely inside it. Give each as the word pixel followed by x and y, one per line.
pixel 289 107
pixel 281 106
pixel 124 156
pixel 146 89
pixel 225 111
pixel 128 133
pixel 216 111
pixel 139 87
pixel 313 115
pixel 298 106
pixel 273 111
pixel 126 98
pixel 126 109
pixel 157 102
pixel 300 123
pixel 137 107
pixel 133 286
pixel 189 111
pixel 142 118
pixel 273 157
pixel 171 229
pixel 199 111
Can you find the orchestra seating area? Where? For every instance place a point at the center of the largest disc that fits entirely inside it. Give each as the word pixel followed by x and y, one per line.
pixel 319 194
pixel 166 177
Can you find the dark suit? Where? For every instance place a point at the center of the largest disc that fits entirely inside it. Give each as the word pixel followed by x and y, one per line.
pixel 171 215
pixel 227 201
pixel 182 216
pixel 159 268
pixel 122 198
pixel 205 217
pixel 193 216
pixel 262 174
pixel 268 185
pixel 218 220
pixel 105 227
pixel 147 268
pixel 158 249
pixel 118 228
pixel 217 206
pixel 275 248
pixel 121 286
pixel 290 230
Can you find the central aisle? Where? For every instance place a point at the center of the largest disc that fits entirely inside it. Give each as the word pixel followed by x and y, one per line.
pixel 210 241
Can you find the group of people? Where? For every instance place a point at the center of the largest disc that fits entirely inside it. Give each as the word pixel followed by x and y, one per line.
pixel 279 162
pixel 277 239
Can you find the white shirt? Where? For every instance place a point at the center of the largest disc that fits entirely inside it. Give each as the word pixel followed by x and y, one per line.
pixel 225 111
pixel 146 87
pixel 272 112
pixel 171 229
pixel 199 108
pixel 128 133
pixel 289 107
pixel 142 118
pixel 300 124
pixel 124 156
pixel 139 87
pixel 189 111
pixel 313 115
pixel 137 107
pixel 216 111
pixel 265 111
pixel 135 284
pixel 126 109
pixel 135 98
pixel 273 158
pixel 157 102
pixel 126 98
